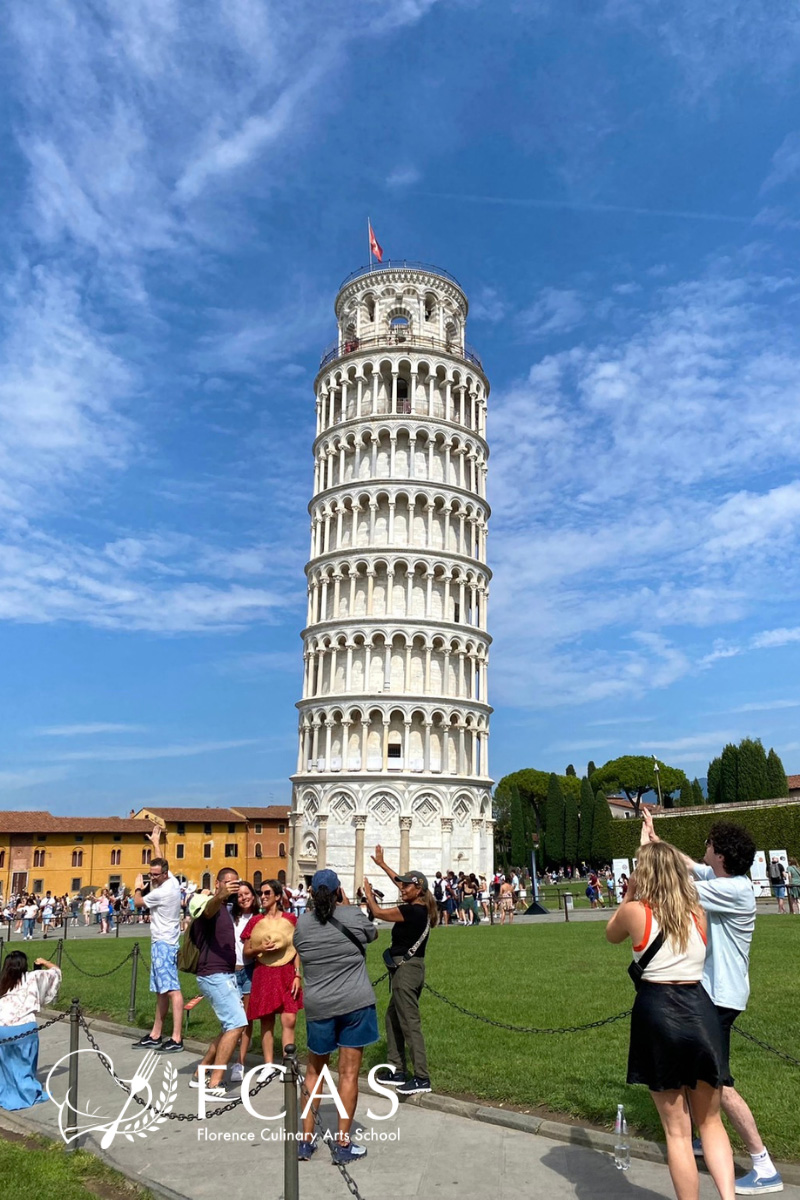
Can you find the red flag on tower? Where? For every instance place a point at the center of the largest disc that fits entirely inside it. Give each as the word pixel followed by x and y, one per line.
pixel 374 246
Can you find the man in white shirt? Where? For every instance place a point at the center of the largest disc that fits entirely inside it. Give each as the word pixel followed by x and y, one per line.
pixel 727 896
pixel 163 901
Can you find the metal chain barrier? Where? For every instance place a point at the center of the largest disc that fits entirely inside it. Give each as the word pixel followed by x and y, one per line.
pixel 795 1062
pixel 17 1037
pixel 97 974
pixel 526 1028
pixel 350 1183
pixel 217 1112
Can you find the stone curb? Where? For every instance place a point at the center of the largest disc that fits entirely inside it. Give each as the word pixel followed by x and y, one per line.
pixel 560 1131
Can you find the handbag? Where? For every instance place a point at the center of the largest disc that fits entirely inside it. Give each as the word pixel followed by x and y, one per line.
pixel 637 969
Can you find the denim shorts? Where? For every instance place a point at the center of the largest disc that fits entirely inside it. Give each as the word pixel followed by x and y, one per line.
pixel 244 980
pixel 164 968
pixel 223 995
pixel 358 1028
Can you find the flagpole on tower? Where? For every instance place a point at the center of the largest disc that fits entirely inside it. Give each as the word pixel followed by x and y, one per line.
pixel 369 241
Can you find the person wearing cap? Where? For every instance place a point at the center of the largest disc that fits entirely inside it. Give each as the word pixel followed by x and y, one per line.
pixel 412 920
pixel 276 991
pixel 331 939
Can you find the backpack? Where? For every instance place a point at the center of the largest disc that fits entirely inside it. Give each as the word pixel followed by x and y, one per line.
pixel 438 890
pixel 189 952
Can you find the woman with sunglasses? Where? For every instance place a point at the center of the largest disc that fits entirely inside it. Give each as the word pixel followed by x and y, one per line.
pixel 245 905
pixel 276 991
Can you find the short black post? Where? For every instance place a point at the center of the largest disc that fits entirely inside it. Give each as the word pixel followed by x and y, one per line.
pixel 491 909
pixel 291 1181
pixel 59 951
pixel 66 923
pixel 134 970
pixel 1 952
pixel 72 1084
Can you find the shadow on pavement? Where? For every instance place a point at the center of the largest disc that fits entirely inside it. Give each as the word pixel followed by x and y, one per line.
pixel 592 1174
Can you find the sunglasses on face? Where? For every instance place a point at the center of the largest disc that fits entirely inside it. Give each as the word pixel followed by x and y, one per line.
pixel 267 892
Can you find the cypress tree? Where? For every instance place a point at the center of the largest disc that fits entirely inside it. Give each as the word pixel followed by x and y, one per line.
pixel 590 770
pixel 713 780
pixel 686 796
pixel 554 821
pixel 776 777
pixel 752 781
pixel 586 822
pixel 729 775
pixel 602 849
pixel 517 829
pixel 697 792
pixel 570 770
pixel 570 829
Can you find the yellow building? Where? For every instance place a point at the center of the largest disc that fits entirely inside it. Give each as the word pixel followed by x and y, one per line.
pixel 64 855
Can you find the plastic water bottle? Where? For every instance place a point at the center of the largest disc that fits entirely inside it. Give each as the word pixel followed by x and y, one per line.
pixel 622 1148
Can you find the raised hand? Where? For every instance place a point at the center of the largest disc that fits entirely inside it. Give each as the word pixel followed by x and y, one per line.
pixel 154 835
pixel 378 858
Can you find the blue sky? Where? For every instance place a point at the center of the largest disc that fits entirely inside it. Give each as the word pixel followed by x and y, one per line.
pixel 185 186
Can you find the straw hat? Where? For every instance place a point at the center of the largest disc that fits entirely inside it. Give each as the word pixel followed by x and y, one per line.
pixel 278 933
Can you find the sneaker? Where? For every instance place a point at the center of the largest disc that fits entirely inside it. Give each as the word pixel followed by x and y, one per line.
pixel 342 1155
pixel 414 1085
pixel 237 1073
pixel 751 1185
pixel 170 1046
pixel 305 1150
pixel 219 1090
pixel 216 1093
pixel 391 1078
pixel 148 1043
pixel 697 1147
pixel 266 1073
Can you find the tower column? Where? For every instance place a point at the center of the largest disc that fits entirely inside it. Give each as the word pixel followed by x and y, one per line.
pixel 360 822
pixel 405 838
pixel 322 841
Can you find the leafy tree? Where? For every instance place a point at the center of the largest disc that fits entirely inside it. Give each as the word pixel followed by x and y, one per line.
pixel 586 822
pixel 590 770
pixel 554 822
pixel 634 775
pixel 570 829
pixel 602 844
pixel 518 855
pixel 570 769
pixel 752 781
pixel 532 785
pixel 697 793
pixel 729 775
pixel 713 780
pixel 776 777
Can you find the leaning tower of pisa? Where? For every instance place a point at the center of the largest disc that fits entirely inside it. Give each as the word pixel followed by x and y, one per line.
pixel 394 717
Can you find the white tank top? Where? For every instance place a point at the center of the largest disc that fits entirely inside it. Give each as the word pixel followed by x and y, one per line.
pixel 670 965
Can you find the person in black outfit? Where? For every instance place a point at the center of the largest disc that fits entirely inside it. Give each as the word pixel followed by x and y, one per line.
pixel 412 919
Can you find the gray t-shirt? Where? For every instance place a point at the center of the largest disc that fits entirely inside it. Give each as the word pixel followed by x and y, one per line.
pixel 730 904
pixel 335 979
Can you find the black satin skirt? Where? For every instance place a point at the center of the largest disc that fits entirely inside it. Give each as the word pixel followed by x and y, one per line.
pixel 676 1038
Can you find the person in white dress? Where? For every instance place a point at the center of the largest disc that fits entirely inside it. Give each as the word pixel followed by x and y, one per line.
pixel 22 994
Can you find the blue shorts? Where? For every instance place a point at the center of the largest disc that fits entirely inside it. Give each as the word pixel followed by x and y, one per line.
pixel 358 1028
pixel 244 980
pixel 223 995
pixel 164 968
pixel 779 891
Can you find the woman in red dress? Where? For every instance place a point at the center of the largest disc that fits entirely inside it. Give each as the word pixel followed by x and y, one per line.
pixel 276 990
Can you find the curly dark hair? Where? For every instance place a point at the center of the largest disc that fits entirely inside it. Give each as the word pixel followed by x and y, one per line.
pixel 735 844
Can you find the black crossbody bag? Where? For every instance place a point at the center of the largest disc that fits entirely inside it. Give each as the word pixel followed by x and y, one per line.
pixel 348 933
pixel 637 969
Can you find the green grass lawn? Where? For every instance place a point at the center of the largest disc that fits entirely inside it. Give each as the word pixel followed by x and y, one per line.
pixel 39 1170
pixel 539 975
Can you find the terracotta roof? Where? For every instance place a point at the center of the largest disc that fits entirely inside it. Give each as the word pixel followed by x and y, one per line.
pixel 45 822
pixel 274 812
pixel 624 802
pixel 793 782
pixel 189 816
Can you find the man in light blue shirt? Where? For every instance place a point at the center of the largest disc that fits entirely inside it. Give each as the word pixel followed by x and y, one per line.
pixel 727 896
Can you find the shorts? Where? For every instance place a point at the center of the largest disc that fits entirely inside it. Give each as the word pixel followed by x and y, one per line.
pixel 164 968
pixel 779 891
pixel 357 1029
pixel 223 995
pixel 727 1016
pixel 244 980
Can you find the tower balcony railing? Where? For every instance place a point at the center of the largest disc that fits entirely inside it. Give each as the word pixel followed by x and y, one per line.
pixel 398 264
pixel 406 338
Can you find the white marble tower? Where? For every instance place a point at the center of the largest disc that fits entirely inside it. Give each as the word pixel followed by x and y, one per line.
pixel 394 719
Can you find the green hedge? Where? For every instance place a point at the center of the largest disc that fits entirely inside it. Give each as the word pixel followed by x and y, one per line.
pixel 774 828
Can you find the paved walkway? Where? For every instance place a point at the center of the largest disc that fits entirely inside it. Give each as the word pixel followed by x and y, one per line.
pixel 431 1154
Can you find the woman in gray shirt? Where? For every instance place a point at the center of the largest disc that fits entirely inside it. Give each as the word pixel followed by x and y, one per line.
pixel 331 939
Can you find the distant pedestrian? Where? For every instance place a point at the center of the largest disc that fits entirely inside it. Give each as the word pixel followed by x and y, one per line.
pixel 506 902
pixel 794 886
pixel 162 899
pixel 777 880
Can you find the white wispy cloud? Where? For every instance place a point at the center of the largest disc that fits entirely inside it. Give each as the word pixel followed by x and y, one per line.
pixel 144 753
pixel 402 177
pixel 87 730
pixel 30 777
pixel 771 639
pixel 766 706
pixel 555 311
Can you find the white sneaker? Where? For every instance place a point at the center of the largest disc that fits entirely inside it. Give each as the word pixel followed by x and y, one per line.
pixel 237 1073
pixel 266 1072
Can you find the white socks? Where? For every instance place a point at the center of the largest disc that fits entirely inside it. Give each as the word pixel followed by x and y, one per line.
pixel 763 1165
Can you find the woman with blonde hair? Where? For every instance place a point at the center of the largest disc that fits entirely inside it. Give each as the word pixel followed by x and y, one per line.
pixel 676 1046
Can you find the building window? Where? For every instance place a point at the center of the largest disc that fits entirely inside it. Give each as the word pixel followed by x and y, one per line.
pixel 76 884
pixel 117 837
pixel 257 850
pixel 116 857
pixel 77 858
pixel 207 830
pixel 38 885
pixel 42 837
pixel 281 829
pixel 257 881
pixel 78 837
pixel 258 829
pixel 38 858
pixel 231 828
pixel 231 850
pixel 282 877
pixel 206 881
pixel 179 850
pixel 2 859
pixel 281 850
pixel 146 856
pixel 181 829
pixel 207 850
